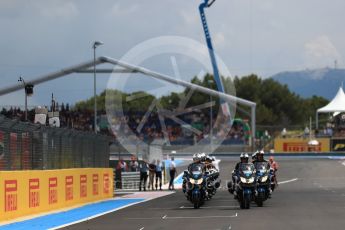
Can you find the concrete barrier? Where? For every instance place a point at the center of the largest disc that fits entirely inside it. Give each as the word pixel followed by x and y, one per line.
pixel 30 192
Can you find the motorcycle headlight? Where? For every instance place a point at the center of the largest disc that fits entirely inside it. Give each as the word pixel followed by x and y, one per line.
pixel 247 181
pixel 264 179
pixel 250 180
pixel 199 181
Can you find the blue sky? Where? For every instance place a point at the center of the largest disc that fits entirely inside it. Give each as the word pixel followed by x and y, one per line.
pixel 251 36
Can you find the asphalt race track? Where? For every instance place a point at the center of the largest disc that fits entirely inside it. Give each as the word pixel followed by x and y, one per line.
pixel 316 200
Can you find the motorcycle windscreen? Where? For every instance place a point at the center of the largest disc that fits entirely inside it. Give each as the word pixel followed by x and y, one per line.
pixel 196 171
pixel 261 168
pixel 246 170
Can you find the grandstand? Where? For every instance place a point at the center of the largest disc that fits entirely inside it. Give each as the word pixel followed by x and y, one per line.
pixel 178 135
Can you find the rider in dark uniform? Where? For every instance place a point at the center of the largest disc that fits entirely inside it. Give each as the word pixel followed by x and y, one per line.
pixel 244 158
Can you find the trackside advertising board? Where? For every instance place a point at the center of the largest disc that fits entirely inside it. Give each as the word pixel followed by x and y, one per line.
pixel 34 191
pixel 300 145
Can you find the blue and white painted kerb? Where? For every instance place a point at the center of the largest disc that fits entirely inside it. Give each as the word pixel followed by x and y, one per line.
pixel 77 215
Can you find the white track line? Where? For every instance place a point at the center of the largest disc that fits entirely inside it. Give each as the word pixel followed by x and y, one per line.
pixel 205 207
pixel 104 213
pixel 165 217
pixel 288 181
pixel 95 216
pixel 199 217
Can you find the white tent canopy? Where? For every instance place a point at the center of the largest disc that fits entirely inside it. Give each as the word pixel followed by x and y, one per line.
pixel 337 105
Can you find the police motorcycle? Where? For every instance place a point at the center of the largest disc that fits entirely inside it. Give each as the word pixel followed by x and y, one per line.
pixel 244 157
pixel 263 182
pixel 194 184
pixel 245 189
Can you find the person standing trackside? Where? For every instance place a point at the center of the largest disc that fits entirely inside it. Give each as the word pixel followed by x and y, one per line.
pixel 143 167
pixel 152 172
pixel 159 169
pixel 172 172
pixel 133 165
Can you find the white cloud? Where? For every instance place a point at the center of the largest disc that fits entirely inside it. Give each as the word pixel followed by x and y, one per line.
pixel 55 9
pixel 321 52
pixel 118 9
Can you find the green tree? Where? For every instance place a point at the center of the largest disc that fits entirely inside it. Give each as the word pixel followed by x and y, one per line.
pixel 276 104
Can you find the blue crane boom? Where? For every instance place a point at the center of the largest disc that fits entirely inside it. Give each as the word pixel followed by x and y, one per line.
pixel 217 78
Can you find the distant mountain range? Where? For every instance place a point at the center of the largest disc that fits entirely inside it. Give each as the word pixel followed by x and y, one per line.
pixel 320 82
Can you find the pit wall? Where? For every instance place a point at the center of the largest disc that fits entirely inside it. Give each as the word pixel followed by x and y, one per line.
pixel 31 192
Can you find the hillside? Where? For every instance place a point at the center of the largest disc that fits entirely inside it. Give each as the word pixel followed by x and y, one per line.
pixel 321 82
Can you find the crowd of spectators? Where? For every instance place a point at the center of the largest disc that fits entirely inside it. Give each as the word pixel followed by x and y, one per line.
pixel 195 126
pixel 74 119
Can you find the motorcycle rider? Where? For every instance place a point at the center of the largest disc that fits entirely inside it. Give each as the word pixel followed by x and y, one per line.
pixel 244 158
pixel 203 157
pixel 208 163
pixel 273 163
pixel 211 171
pixel 260 158
pixel 274 166
pixel 254 156
pixel 196 160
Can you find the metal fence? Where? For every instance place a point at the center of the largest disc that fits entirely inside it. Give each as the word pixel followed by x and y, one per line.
pixel 26 146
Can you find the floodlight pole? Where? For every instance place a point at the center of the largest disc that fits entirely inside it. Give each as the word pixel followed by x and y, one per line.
pixel 211 117
pixel 26 98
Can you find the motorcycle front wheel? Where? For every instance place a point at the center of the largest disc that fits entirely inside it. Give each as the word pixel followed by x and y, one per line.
pixel 247 201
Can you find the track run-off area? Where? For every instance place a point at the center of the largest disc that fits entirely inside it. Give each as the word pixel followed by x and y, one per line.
pixel 311 195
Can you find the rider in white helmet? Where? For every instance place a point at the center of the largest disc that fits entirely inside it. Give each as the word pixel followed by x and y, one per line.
pixel 197 159
pixel 203 157
pixel 254 155
pixel 244 158
pixel 259 157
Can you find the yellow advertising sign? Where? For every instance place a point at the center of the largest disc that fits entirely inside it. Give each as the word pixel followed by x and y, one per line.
pixel 300 145
pixel 29 192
